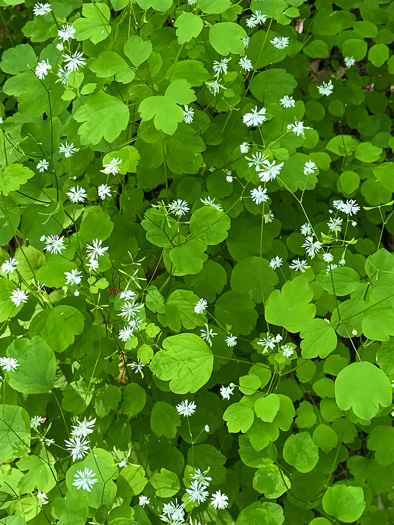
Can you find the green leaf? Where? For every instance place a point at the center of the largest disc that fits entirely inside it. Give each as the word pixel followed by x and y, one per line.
pixel 10 216
pixel 253 277
pixel 209 225
pixel 18 59
pixel 239 417
pixel 188 26
pixel 52 272
pixel 129 156
pixel 13 177
pixel 103 116
pixel 362 387
pixel 135 477
pixel 290 307
pixel 179 311
pixel 14 432
pixel 94 24
pixel 96 224
pixel 188 258
pixel 344 503
pixel 340 281
pixel 367 152
pixel 158 5
pixel 300 452
pixel 319 339
pixel 186 362
pixel 134 399
pixel 381 439
pixel 166 483
pixel 37 366
pixel 236 310
pixel 325 438
pixel 164 420
pixel 106 399
pixel 110 64
pixel 272 84
pixel 137 50
pixel 226 38
pixel 58 326
pixel 378 54
pixel 259 513
pixel 213 6
pixel 266 407
pixel 269 481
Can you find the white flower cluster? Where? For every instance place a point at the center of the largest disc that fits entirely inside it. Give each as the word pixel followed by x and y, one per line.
pixel 270 342
pixel 311 245
pixel 129 311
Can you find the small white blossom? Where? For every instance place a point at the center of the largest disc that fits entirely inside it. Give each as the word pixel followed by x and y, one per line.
pixel 185 408
pixel 208 201
pixel 311 246
pixel 220 66
pixel 280 42
pixel 84 479
pixel 267 342
pixel 54 244
pixel 42 9
pixel 188 114
pixel 96 249
pixel 73 277
pixel 18 296
pixel 287 102
pixel 76 293
pixel 244 147
pixel 36 421
pixel 331 267
pixel 104 191
pixel 75 61
pixel 67 149
pixel 83 428
pixel 334 224
pixel 309 167
pixel 10 364
pixel 207 333
pixel 201 306
pixel 299 265
pixel 206 428
pixel 137 366
pixel 227 391
pixel 246 41
pixel 256 19
pixel 127 295
pixel 328 257
pixel 255 117
pixel 271 171
pixel 77 194
pixel 214 87
pixel 130 310
pixel 229 178
pixel 287 351
pixel 125 333
pixel 42 497
pixel 201 476
pixel 246 64
pixel 276 262
pixel 350 207
pixel 179 207
pixel 113 166
pixel 219 501
pixel 66 32
pixel 93 264
pixel 326 88
pixel 42 165
pixel 306 229
pixel 269 217
pixel 354 332
pixel 197 492
pixel 63 75
pixel 9 266
pixel 349 61
pixel 42 69
pixel 297 128
pixel 259 195
pixel 79 447
pixel 231 340
pixel 257 160
pixel 143 500
pixel 60 46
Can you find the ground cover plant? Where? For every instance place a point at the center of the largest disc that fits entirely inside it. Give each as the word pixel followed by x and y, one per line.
pixel 196 289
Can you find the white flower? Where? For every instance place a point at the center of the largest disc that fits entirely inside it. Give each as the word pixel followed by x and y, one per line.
pixel 287 102
pixel 257 159
pixel 93 264
pixel 197 492
pixel 255 19
pixel 125 333
pixel 208 201
pixel 341 262
pixel 123 463
pixel 350 207
pixel 174 513
pixel 9 266
pixel 84 479
pixel 36 421
pixel 244 147
pixel 231 340
pixel 66 32
pixel 349 61
pixel 188 114
pixel 255 117
pixel 83 428
pixel 60 46
pixel 18 296
pixel 130 310
pixel 185 408
pixel 267 342
pixel 311 246
pixel 43 497
pixel 298 265
pixel 309 167
pixel 306 229
pixel 297 128
pixel 63 75
pixel 143 500
pixel 47 442
pixel 73 277
pixel 201 306
pixel 280 42
pixel 135 323
pixel 219 500
pixel 127 295
pixel 259 195
pixel 77 194
pixel 207 333
pixel 335 224
pixel 227 391
pixel 42 9
pixel 229 178
pixel 354 332
pixel 42 165
pixel 78 447
pixel 331 267
pixel 246 64
pixel 96 249
pixel 54 244
pixel 220 66
pixel 214 87
pixel 104 191
pixel 179 207
pixel 191 2
pixel 76 293
pixel 328 257
pixel 200 476
pixel 246 41
pixel 67 149
pixel 269 217
pixel 42 69
pixel 271 171
pixel 326 88
pixel 75 61
pixel 137 366
pixel 9 363
pixel 287 351
pixel 206 428
pixel 113 166
pixel 276 262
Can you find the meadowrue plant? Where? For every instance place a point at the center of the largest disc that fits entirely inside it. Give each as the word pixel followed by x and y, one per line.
pixel 196 273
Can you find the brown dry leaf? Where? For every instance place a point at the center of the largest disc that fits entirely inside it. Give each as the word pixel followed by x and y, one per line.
pixel 122 377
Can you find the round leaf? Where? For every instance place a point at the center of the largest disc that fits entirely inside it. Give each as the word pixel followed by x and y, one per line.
pixel 344 503
pixel 301 452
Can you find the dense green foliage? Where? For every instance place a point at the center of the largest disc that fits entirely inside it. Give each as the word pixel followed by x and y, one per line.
pixel 196 217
